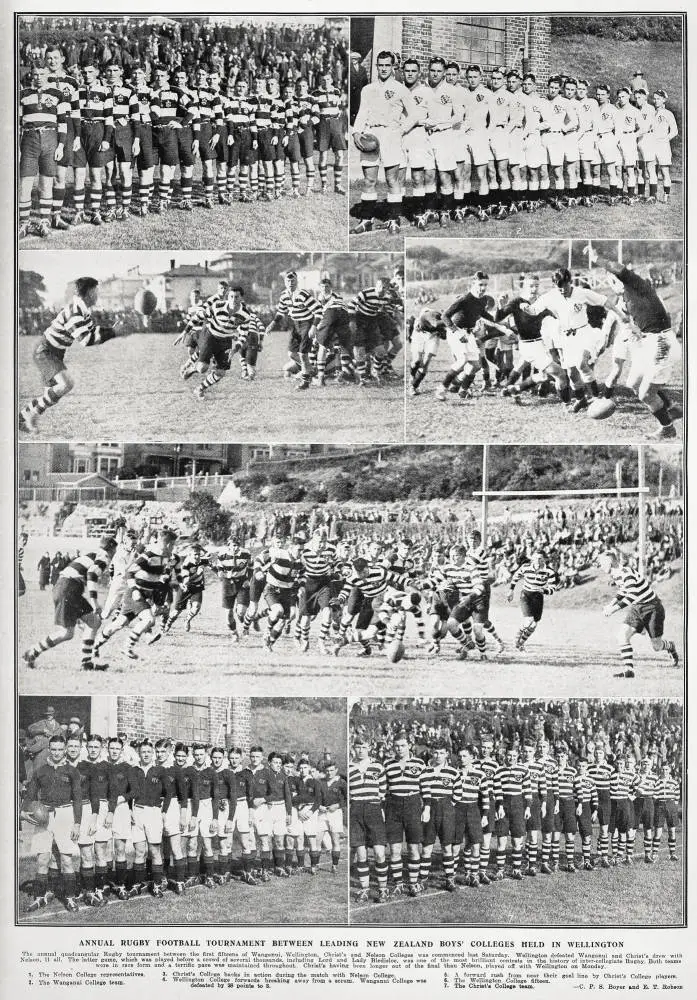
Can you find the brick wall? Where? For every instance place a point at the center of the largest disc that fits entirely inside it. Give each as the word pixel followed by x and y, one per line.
pixel 423 37
pixel 147 717
pixel 241 723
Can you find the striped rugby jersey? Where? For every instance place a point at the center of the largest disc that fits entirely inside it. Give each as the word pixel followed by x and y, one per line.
pixel 368 302
pixel 191 572
pixel 375 583
pixel 126 109
pixel 96 105
pixel 148 572
pixel 73 325
pixel 585 791
pixel 634 589
pixel 301 306
pixel 261 108
pixel 234 564
pixel 473 788
pixel 619 785
pixel 319 563
pixel 88 568
pixel 223 323
pixel 601 775
pixel 171 106
pixel 477 565
pixel 280 568
pixel 489 765
pixel 451 576
pixel 442 781
pixel 645 783
pixel 367 781
pixel 667 790
pixel 45 108
pixel 239 113
pixel 407 777
pixel 70 89
pixel 144 96
pixel 534 581
pixel 278 113
pixel 510 781
pixel 308 112
pixel 564 783
pixel 538 778
pixel 209 108
pixel 291 112
pixel 329 103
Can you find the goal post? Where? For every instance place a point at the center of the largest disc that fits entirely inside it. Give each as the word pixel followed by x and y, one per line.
pixel 641 491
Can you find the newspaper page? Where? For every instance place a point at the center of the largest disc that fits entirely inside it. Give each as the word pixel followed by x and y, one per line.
pixel 346 502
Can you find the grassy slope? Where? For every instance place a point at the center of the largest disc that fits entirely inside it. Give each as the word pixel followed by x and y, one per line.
pixel 287 727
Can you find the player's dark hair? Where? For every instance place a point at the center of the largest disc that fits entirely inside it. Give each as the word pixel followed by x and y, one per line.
pixel 113 65
pixel 474 68
pixel 602 86
pixel 256 749
pixel 219 750
pixel 164 742
pixel 161 68
pixel 436 59
pixel 530 76
pixel 235 750
pixel 481 276
pixel 85 285
pixel 554 79
pixel 512 73
pixel 181 748
pixel 95 738
pixel 385 55
pixel 562 276
pixel 288 758
pixel 571 79
pixel 57 739
pixel 453 65
pixel 642 90
pixel 360 564
pixel 236 288
pixel 115 739
pixel 198 746
pixel 583 81
pixel 411 61
pixel 626 90
pixel 145 742
pixel 275 754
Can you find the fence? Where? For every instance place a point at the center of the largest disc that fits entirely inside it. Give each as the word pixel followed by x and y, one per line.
pixel 79 494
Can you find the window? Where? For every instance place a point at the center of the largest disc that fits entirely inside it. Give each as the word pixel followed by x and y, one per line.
pixel 481 40
pixel 186 719
pixel 81 465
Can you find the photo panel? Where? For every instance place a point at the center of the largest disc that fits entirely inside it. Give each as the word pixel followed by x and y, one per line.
pixel 181 810
pixel 328 567
pixel 168 132
pixel 515 127
pixel 549 341
pixel 291 346
pixel 514 812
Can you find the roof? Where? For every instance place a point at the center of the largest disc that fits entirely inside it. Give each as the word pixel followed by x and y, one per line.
pixel 191 271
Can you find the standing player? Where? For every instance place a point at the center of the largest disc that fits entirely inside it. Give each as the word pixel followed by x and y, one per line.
pixel 586 795
pixel 666 813
pixel 441 780
pixel 608 141
pixel 407 809
pixel 644 611
pixel 440 110
pixel 565 804
pixel 329 103
pixel 627 128
pixel 333 800
pixel 125 144
pixel 461 319
pixel 73 325
pixel 241 828
pixel 513 795
pixel 76 601
pixel 646 147
pixel 69 87
pixel 301 308
pixel 367 789
pixel 538 806
pixel 537 581
pixel 388 112
pixel 600 772
pixel 665 129
pixel 419 150
pixel 586 109
pixel 152 795
pixel 471 797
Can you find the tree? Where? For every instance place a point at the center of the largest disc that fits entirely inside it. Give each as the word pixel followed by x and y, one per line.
pixel 32 290
pixel 213 520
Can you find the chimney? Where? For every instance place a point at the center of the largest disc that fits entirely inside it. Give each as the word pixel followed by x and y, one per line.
pixel 172 263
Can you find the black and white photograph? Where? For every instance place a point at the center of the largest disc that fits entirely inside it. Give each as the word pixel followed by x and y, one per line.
pixel 190 810
pixel 516 813
pixel 141 131
pixel 515 126
pixel 497 566
pixel 545 340
pixel 289 346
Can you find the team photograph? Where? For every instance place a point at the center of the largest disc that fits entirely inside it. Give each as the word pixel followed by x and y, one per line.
pixel 503 565
pixel 515 126
pixel 191 810
pixel 512 812
pixel 545 340
pixel 138 131
pixel 293 346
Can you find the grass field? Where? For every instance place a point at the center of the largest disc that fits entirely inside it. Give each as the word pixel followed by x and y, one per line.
pixel 492 418
pixel 130 389
pixel 595 59
pixel 303 900
pixel 317 222
pixel 641 894
pixel 574 650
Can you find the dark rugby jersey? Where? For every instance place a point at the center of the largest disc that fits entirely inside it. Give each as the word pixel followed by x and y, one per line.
pixel 243 785
pixel 301 306
pixel 84 769
pixel 441 781
pixel 367 783
pixel 643 304
pixel 318 563
pixel 126 110
pixel 88 568
pixel 473 788
pixel 260 782
pixel 407 777
pixel 585 792
pixel 73 325
pixel 99 783
pixel 535 581
pixel 70 89
pixel 182 786
pixel 333 792
pixel 55 787
pixel 202 781
pixel 225 790
pixel 528 326
pixel 151 787
pixel 278 789
pixel 121 783
pixel 148 572
pixel 512 781
pixel 634 589
pixel 309 793
pixel 472 309
pixel 234 564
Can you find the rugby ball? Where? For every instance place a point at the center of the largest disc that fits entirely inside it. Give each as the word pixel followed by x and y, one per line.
pixel 395 651
pixel 39 813
pixel 366 142
pixel 458 319
pixel 145 302
pixel 601 409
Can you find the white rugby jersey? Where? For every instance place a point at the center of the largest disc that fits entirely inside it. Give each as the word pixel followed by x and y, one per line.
pixel 443 104
pixel 571 312
pixel 384 103
pixel 477 106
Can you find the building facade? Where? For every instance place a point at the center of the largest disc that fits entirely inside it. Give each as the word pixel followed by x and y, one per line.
pixel 219 721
